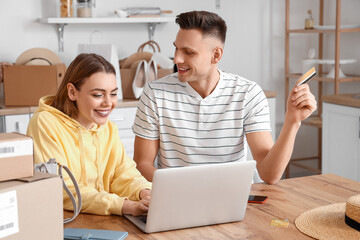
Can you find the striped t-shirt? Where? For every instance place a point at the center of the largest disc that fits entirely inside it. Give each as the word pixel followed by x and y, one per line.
pixel 195 130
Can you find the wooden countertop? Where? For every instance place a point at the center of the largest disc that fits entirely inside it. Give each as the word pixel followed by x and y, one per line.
pixel 125 103
pixel 343 99
pixel 287 200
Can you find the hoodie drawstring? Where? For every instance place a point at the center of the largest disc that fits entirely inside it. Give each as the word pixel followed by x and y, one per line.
pixel 99 180
pixel 83 177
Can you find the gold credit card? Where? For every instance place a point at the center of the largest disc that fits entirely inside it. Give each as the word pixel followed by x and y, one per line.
pixel 306 77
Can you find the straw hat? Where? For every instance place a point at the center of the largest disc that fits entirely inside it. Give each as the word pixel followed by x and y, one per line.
pixel 38 56
pixel 335 221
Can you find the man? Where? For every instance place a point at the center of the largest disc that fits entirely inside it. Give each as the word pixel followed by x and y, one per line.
pixel 201 115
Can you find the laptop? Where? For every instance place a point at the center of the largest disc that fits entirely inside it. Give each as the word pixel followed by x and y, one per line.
pixel 186 197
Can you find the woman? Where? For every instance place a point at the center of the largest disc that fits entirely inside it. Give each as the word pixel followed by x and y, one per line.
pixel 73 128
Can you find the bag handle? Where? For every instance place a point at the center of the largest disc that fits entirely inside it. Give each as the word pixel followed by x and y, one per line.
pixel 151 43
pixel 77 208
pixel 50 167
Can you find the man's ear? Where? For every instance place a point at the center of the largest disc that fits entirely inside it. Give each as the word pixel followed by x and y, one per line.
pixel 72 92
pixel 217 54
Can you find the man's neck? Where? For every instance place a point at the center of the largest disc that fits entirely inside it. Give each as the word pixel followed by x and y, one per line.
pixel 206 86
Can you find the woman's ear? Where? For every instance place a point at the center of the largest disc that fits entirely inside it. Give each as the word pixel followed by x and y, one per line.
pixel 217 54
pixel 72 91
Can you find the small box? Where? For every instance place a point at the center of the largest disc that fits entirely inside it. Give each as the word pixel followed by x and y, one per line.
pixel 127 78
pixel 32 208
pixel 25 85
pixel 16 156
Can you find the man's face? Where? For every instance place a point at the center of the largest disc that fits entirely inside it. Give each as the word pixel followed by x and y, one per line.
pixel 194 55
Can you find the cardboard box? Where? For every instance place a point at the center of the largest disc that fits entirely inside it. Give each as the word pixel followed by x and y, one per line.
pixel 127 78
pixel 25 85
pixel 32 208
pixel 16 156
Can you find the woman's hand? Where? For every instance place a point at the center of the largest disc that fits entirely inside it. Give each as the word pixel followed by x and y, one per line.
pixel 137 208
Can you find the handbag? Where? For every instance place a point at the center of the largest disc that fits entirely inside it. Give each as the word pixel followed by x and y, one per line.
pixel 128 72
pixel 50 167
pixel 93 234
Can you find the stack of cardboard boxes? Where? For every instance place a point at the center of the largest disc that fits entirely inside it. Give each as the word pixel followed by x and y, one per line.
pixel 31 204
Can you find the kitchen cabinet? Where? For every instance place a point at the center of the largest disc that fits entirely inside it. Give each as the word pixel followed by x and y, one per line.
pixel 17 120
pixel 341 140
pixel 124 119
pixel 15 123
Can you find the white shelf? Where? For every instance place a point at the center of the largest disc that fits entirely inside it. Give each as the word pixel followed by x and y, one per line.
pixel 61 22
pixel 107 20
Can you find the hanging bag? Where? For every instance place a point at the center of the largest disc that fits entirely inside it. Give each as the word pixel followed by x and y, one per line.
pixel 128 72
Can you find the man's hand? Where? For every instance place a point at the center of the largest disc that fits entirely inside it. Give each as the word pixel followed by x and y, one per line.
pixel 300 104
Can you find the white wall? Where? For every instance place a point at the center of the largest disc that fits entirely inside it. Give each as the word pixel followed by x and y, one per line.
pixel 254 46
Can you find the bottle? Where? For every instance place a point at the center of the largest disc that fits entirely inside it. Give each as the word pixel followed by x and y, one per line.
pixel 309 22
pixel 66 9
pixel 84 8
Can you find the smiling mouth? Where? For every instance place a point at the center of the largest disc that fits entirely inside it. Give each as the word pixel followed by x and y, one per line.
pixel 103 113
pixel 183 69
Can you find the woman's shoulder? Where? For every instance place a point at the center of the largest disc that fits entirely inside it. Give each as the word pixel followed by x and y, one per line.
pixel 44 116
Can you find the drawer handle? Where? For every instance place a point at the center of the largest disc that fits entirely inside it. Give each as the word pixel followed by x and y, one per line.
pixel 17 127
pixel 117 119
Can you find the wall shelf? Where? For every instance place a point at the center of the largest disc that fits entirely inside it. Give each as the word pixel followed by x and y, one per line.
pixel 323 77
pixel 62 22
pixel 316 31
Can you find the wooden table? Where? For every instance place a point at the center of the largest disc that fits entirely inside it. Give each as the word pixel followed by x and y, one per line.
pixel 287 200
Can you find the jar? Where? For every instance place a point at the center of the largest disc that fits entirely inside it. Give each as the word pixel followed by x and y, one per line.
pixel 84 8
pixel 66 9
pixel 309 22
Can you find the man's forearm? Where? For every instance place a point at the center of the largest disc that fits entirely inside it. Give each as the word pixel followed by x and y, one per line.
pixel 147 170
pixel 273 165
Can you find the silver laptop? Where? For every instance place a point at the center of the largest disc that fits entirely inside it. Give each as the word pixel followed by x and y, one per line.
pixel 194 196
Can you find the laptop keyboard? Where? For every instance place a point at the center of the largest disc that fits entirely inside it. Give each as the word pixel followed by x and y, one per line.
pixel 143 219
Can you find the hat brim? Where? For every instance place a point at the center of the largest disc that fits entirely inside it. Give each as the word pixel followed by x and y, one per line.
pixel 38 53
pixel 326 222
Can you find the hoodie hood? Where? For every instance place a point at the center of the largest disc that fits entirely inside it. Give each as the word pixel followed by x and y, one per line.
pixel 45 105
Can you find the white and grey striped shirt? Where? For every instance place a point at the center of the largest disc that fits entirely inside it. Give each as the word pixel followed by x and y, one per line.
pixel 195 130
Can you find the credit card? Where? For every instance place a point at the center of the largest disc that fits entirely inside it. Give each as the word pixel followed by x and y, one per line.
pixel 306 77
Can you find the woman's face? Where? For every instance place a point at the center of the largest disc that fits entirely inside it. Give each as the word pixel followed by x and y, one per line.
pixel 95 100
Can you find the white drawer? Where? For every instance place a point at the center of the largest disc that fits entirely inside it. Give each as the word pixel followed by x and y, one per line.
pixel 129 146
pixel 126 133
pixel 17 123
pixel 123 117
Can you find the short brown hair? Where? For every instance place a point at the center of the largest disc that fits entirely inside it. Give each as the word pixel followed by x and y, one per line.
pixel 82 67
pixel 209 23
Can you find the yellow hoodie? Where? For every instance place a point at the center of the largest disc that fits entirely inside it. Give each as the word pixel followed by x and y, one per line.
pixel 96 157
